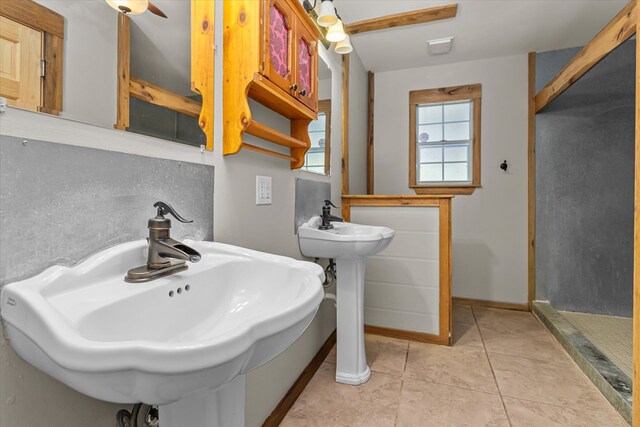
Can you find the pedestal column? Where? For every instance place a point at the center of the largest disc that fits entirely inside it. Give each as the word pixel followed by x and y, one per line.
pixel 220 408
pixel 351 364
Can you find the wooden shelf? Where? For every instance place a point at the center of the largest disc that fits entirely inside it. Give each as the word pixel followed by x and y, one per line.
pixel 268 134
pixel 272 97
pixel 267 152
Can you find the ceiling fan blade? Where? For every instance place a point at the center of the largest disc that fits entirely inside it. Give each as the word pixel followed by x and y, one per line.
pixel 154 9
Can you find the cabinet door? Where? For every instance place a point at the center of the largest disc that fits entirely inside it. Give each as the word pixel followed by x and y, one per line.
pixel 306 67
pixel 279 23
pixel 20 55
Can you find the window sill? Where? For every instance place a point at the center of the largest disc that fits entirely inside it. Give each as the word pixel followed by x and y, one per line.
pixel 464 190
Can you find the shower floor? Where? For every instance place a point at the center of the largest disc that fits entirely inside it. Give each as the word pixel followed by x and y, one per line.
pixel 612 335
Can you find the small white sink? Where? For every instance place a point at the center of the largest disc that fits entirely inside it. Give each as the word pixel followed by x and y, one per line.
pixel 349 244
pixel 159 341
pixel 344 240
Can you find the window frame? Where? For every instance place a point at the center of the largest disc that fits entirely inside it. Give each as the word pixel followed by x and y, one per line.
pixel 471 92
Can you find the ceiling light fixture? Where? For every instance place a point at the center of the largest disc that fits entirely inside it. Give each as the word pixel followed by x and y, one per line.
pixel 344 47
pixel 336 32
pixel 327 15
pixel 129 7
pixel 439 46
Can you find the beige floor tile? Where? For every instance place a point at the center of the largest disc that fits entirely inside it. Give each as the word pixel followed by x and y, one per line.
pixel 429 404
pixel 325 403
pixel 463 314
pixel 467 336
pixel 510 320
pixel 523 413
pixel 385 355
pixel 545 382
pixel 456 386
pixel 524 342
pixel 331 357
pixel 450 366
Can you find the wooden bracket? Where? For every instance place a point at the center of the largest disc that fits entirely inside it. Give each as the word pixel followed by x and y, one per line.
pixel 400 19
pixel 616 32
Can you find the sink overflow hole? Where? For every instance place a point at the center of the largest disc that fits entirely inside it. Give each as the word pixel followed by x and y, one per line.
pixel 179 290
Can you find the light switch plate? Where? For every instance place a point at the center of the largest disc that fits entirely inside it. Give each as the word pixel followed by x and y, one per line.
pixel 263 190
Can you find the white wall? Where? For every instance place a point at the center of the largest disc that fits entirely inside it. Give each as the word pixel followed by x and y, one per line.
pixel 161 48
pixel 490 226
pixel 90 60
pixel 324 89
pixel 358 104
pixel 30 398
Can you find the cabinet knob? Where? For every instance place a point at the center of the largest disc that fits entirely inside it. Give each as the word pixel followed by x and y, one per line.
pixel 294 86
pixel 303 92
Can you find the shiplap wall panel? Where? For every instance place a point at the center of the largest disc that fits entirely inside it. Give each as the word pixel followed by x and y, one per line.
pixel 404 218
pixel 402 283
pixel 416 272
pixel 402 320
pixel 422 245
pixel 402 298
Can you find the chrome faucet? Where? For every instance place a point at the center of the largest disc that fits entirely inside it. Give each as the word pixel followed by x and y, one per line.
pixel 162 249
pixel 327 217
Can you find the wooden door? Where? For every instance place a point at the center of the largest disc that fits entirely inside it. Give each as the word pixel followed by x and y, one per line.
pixel 279 59
pixel 306 67
pixel 20 62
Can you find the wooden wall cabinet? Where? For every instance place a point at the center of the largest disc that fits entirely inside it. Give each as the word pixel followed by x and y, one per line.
pixel 270 55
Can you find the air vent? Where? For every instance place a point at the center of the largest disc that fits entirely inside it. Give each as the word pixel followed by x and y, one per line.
pixel 439 46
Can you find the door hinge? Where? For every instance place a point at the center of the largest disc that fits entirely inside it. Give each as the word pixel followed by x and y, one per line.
pixel 43 67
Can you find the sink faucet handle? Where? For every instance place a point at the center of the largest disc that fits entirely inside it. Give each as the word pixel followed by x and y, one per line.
pixel 165 208
pixel 328 202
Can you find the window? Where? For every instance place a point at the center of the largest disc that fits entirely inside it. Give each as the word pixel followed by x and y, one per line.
pixel 317 158
pixel 444 151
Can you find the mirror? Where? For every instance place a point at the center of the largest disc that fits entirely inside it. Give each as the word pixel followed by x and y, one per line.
pixel 76 46
pixel 317 159
pixel 161 65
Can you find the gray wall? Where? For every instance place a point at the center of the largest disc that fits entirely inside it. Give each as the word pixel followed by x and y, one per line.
pixel 60 203
pixel 153 120
pixel 310 197
pixel 584 186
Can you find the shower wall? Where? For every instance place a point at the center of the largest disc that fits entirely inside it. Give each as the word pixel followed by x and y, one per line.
pixel 584 186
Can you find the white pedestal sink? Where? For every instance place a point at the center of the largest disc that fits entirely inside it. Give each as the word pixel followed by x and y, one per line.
pixel 349 244
pixel 184 342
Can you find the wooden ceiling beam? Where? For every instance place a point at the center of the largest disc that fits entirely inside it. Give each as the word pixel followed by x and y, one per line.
pixel 401 19
pixel 615 33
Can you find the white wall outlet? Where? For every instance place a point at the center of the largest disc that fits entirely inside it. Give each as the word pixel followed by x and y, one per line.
pixel 263 190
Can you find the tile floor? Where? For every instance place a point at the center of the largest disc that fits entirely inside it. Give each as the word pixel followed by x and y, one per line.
pixel 504 369
pixel 612 335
